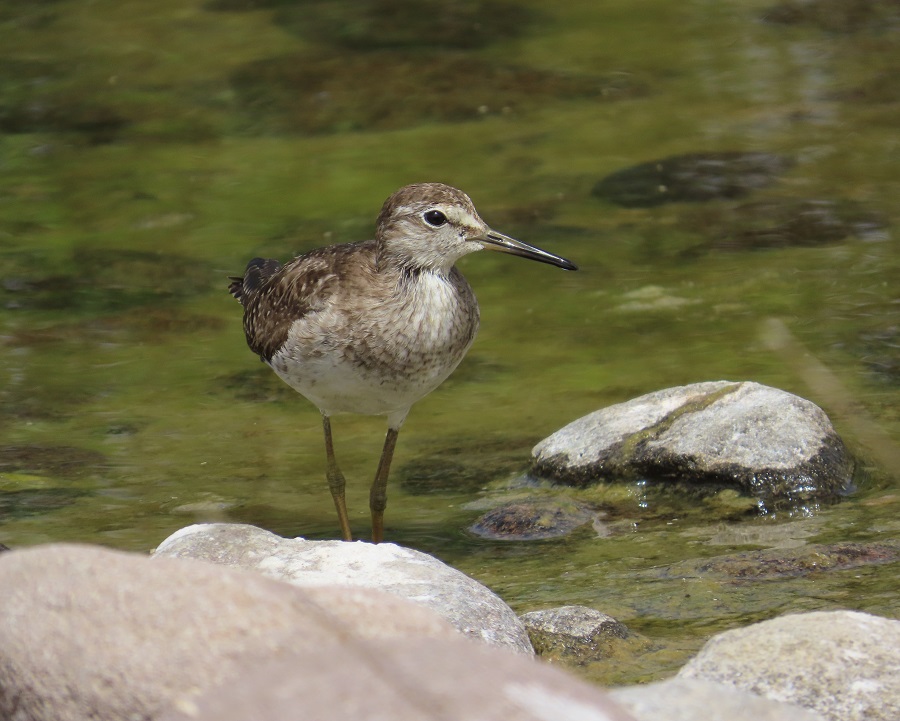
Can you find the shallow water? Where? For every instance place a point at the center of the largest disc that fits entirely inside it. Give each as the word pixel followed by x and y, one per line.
pixel 147 155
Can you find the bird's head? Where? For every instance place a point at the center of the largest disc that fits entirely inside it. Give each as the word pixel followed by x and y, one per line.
pixel 432 225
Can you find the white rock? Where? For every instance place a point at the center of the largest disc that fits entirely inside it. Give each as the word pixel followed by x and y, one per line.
pixel 468 605
pixel 758 439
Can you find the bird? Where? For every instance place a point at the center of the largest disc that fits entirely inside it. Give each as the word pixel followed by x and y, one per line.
pixel 371 327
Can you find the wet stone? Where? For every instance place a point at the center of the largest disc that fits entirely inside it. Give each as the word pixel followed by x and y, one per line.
pixel 426 24
pixel 28 14
pixel 35 501
pixel 788 562
pixel 257 385
pixel 111 279
pixel 783 223
pixel 764 442
pixel 66 461
pixel 880 88
pixel 322 93
pixel 881 352
pixel 142 324
pixel 839 16
pixel 34 97
pixel 695 177
pixel 532 520
pixel 578 635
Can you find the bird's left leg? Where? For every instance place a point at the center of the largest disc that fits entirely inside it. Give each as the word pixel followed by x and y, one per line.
pixel 378 494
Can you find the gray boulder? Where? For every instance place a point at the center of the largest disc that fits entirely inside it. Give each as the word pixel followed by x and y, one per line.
pixel 843 664
pixel 468 605
pixel 89 633
pixel 759 440
pixel 683 699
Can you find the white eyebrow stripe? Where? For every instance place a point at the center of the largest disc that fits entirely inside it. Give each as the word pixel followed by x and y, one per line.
pixel 460 216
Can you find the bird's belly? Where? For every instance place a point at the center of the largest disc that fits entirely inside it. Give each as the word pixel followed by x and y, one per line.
pixel 344 385
pixel 377 364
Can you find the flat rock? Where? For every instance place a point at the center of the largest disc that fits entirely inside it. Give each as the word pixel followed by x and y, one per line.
pixel 89 633
pixel 683 699
pixel 469 606
pixel 760 440
pixel 843 664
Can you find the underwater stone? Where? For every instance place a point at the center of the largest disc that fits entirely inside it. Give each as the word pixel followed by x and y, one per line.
pixel 787 223
pixel 532 519
pixel 332 93
pixel 775 563
pixel 836 16
pixel 694 177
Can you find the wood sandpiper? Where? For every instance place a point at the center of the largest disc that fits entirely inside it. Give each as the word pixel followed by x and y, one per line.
pixel 372 327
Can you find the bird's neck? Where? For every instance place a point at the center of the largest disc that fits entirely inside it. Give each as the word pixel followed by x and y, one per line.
pixel 398 258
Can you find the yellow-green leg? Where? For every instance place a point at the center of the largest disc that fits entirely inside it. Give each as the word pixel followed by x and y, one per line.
pixel 378 494
pixel 336 482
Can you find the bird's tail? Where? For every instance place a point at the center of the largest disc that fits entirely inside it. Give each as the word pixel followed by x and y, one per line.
pixel 258 271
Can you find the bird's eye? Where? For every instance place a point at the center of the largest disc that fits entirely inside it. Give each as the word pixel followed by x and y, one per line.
pixel 434 218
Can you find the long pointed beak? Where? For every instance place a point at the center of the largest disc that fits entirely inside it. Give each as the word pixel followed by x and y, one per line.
pixel 492 240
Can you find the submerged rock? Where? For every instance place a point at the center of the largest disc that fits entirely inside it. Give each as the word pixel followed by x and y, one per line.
pixel 532 519
pixel 880 351
pixel 111 280
pixel 324 93
pixel 468 605
pixel 786 223
pixel 842 664
pixel 65 461
pixel 840 16
pixel 694 177
pixel 788 562
pixel 760 440
pixel 579 634
pixel 37 96
pixel 423 24
pixel 420 24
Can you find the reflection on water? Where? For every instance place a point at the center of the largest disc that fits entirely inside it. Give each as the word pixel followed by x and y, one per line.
pixel 147 156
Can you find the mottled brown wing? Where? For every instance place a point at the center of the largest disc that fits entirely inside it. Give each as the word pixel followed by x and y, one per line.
pixel 275 296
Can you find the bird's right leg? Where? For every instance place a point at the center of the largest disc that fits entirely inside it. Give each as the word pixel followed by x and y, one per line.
pixel 336 482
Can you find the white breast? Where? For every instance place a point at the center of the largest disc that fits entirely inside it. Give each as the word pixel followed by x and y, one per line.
pixel 381 358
